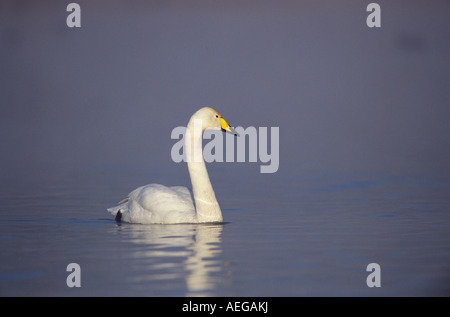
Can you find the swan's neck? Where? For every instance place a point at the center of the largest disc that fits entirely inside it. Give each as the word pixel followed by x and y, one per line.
pixel 206 205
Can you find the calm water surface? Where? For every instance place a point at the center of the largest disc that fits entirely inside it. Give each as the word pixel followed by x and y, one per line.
pixel 309 238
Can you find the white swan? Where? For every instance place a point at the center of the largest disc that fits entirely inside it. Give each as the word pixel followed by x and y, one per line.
pixel 156 203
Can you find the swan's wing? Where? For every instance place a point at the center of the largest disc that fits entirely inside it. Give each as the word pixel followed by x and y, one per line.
pixel 155 197
pixel 183 193
pixel 156 203
pixel 122 206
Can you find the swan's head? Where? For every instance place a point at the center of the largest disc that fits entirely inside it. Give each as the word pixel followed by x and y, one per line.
pixel 211 119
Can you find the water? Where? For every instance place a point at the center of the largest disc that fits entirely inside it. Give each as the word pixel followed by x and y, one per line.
pixel 311 240
pixel 362 113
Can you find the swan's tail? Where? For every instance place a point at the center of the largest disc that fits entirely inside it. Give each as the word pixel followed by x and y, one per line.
pixel 117 211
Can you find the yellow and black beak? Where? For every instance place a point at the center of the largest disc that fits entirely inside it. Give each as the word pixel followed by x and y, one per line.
pixel 226 127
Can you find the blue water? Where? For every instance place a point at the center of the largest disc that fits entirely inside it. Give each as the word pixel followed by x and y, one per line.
pixel 309 240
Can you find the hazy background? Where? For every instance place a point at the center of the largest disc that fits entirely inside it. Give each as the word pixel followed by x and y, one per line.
pixel 345 96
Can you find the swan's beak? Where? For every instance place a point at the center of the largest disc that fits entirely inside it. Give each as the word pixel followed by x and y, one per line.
pixel 226 127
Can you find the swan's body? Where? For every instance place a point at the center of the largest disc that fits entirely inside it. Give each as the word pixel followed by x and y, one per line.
pixel 156 203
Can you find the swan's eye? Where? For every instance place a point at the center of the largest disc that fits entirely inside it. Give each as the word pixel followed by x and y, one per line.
pixel 217 115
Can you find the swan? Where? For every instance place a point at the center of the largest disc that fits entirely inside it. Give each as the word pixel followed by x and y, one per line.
pixel 155 203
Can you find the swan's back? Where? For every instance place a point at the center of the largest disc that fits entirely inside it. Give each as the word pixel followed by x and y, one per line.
pixel 157 203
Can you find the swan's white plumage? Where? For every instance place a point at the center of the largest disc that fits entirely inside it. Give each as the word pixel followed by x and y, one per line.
pixel 157 203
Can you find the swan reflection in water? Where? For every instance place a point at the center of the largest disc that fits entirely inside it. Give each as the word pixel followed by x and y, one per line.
pixel 170 254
